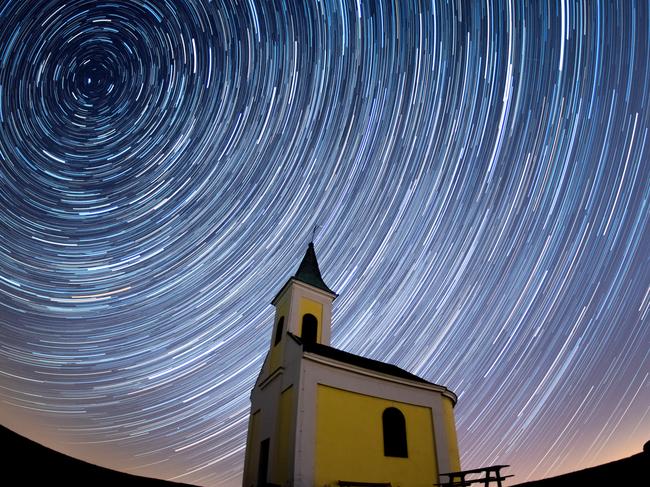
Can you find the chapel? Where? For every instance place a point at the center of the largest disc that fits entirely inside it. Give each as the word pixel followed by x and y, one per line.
pixel 321 416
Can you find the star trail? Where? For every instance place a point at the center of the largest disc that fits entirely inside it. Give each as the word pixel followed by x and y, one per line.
pixel 480 176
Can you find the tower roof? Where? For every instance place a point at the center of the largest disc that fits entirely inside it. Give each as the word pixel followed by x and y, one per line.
pixel 308 271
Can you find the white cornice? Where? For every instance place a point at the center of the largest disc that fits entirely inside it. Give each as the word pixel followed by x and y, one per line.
pixel 303 285
pixel 378 375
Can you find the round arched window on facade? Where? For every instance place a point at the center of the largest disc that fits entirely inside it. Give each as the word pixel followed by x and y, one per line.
pixel 394 433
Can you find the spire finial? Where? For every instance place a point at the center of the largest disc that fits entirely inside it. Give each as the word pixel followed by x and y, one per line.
pixel 313 233
pixel 309 272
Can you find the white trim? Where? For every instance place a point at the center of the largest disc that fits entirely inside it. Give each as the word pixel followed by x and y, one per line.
pixel 293 280
pixel 305 464
pixel 371 373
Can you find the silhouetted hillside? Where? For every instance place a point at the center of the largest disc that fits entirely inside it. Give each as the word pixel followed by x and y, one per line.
pixel 30 463
pixel 627 471
pixel 26 462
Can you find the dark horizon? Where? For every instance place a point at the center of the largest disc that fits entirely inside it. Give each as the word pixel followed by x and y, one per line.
pixel 55 467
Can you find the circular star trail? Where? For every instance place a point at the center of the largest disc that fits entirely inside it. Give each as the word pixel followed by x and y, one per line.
pixel 479 173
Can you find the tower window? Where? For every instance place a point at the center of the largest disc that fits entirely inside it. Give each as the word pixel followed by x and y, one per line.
pixel 279 330
pixel 309 328
pixel 394 433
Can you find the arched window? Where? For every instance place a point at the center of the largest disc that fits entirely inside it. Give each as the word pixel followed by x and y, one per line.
pixel 394 433
pixel 279 328
pixel 309 328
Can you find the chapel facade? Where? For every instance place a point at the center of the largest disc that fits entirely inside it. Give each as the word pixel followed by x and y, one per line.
pixel 321 416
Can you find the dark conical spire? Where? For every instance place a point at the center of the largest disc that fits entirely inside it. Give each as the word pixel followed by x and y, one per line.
pixel 308 271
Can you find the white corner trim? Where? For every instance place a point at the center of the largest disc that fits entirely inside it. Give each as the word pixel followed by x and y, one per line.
pixel 313 290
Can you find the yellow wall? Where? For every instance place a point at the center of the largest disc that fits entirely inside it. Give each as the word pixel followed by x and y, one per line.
pixel 350 444
pixel 316 309
pixel 282 309
pixel 450 427
pixel 283 438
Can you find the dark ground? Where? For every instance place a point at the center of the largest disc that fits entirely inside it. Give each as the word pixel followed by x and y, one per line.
pixel 632 471
pixel 25 462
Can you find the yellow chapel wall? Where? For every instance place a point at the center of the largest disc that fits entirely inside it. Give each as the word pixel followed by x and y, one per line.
pixel 277 351
pixel 350 446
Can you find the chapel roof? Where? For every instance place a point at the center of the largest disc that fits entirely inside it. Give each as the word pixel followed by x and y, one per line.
pixel 359 361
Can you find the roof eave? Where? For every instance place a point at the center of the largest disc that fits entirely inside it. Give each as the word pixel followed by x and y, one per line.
pixel 294 279
pixel 430 386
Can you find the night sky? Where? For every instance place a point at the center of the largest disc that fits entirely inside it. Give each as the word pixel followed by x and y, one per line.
pixel 480 176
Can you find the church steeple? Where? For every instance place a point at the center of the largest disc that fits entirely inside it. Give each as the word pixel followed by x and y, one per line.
pixel 304 304
pixel 309 272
